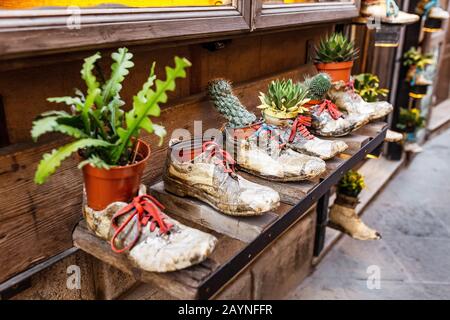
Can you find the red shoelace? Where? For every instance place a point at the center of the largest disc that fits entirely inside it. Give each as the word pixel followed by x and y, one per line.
pixel 223 157
pixel 331 108
pixel 147 209
pixel 300 125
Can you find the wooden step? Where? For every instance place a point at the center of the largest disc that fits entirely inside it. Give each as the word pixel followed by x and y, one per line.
pixel 245 229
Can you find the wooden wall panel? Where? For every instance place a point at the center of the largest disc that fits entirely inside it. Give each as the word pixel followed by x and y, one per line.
pixel 36 222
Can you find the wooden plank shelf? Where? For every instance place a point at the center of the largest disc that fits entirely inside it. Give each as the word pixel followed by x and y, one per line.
pixel 241 239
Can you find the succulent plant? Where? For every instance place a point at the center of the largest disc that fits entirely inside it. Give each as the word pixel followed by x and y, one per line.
pixel 221 95
pixel 367 85
pixel 336 48
pixel 414 58
pixel 351 184
pixel 318 85
pixel 284 97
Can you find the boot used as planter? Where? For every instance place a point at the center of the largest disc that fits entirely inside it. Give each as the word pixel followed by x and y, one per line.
pixel 203 170
pixel 301 140
pixel 329 121
pixel 152 241
pixel 113 158
pixel 345 97
pixel 343 216
pixel 433 14
pixel 266 155
pixel 335 56
pixel 387 11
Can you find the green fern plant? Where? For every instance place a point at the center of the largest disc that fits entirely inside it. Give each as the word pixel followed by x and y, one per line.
pixel 284 97
pixel 318 85
pixel 367 85
pixel 336 48
pixel 104 133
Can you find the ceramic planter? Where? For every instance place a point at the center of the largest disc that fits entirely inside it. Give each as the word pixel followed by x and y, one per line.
pixel 120 183
pixel 338 71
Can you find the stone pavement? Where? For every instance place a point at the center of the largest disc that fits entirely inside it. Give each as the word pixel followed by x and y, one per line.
pixel 413 259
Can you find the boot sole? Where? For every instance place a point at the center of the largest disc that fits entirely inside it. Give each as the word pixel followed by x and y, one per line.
pixel 278 179
pixel 181 190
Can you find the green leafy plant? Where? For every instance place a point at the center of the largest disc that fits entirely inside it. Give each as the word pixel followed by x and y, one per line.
pixel 367 85
pixel 351 184
pixel 410 119
pixel 336 48
pixel 221 95
pixel 413 58
pixel 318 85
pixel 284 96
pixel 105 135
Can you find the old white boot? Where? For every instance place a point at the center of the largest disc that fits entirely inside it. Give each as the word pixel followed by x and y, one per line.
pixel 206 172
pixel 347 99
pixel 300 139
pixel 265 154
pixel 387 11
pixel 343 217
pixel 393 136
pixel 329 121
pixel 153 241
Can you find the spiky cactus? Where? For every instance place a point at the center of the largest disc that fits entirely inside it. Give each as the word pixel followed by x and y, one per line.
pixel 221 95
pixel 318 85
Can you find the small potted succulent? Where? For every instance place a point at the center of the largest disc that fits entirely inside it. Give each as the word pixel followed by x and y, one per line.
pixel 409 121
pixel 367 85
pixel 417 62
pixel 318 87
pixel 284 101
pixel 106 136
pixel 335 56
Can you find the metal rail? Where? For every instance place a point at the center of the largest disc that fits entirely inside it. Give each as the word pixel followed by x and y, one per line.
pixel 235 265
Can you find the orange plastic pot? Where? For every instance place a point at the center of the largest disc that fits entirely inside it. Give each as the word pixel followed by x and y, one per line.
pixel 120 183
pixel 337 70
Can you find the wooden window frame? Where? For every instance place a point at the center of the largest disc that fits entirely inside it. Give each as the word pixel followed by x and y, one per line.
pixel 295 14
pixel 31 32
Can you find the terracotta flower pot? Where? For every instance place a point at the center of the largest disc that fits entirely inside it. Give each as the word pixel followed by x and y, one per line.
pixel 120 183
pixel 337 70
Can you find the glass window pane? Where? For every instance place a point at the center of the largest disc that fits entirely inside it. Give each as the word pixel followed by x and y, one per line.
pixel 27 4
